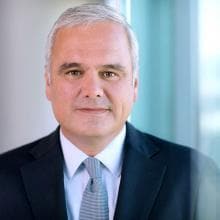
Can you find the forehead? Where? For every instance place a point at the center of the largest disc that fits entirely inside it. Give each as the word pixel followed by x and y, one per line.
pixel 100 34
pixel 101 40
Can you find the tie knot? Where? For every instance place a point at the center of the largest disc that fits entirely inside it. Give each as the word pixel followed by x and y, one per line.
pixel 93 167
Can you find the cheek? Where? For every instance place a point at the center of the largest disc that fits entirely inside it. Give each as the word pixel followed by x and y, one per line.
pixel 63 92
pixel 62 100
pixel 123 97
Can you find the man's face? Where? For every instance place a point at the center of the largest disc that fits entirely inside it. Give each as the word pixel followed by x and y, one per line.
pixel 91 86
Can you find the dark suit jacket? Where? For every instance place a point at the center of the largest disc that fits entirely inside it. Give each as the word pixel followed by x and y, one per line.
pixel 160 181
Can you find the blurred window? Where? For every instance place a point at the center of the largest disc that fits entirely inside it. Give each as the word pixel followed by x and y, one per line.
pixel 209 77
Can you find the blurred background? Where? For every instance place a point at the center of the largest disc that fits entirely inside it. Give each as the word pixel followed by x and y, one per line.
pixel 179 94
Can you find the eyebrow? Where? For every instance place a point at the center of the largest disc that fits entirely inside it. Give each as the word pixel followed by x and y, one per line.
pixel 114 66
pixel 79 65
pixel 68 66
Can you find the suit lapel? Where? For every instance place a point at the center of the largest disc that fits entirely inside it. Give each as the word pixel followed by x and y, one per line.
pixel 43 180
pixel 142 175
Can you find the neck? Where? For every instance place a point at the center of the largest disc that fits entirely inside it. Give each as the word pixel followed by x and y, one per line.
pixel 90 145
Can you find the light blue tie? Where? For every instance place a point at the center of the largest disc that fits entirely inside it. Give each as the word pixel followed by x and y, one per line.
pixel 94 205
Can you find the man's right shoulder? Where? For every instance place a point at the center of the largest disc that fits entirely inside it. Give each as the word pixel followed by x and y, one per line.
pixel 16 158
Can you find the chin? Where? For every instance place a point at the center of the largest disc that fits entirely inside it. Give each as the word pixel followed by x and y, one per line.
pixel 95 132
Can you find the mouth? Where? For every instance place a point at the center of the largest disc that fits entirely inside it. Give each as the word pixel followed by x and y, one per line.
pixel 95 111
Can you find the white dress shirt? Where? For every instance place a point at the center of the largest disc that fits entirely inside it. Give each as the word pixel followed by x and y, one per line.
pixel 76 177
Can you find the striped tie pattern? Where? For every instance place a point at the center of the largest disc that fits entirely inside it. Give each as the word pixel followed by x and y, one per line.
pixel 94 205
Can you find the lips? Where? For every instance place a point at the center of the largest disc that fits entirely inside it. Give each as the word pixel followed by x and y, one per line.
pixel 93 110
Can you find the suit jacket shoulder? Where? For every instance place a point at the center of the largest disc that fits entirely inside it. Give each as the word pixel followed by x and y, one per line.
pixel 31 179
pixel 172 153
pixel 169 181
pixel 21 155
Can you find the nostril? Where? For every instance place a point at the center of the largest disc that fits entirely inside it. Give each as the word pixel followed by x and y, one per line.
pixel 97 96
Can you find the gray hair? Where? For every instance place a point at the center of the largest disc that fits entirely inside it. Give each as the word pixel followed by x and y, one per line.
pixel 89 14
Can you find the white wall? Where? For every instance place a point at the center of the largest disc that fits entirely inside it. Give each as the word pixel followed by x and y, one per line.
pixel 25 113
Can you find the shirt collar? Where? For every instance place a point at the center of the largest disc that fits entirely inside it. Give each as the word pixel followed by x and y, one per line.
pixel 111 156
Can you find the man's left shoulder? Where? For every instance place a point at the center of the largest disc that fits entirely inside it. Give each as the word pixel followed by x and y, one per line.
pixel 174 155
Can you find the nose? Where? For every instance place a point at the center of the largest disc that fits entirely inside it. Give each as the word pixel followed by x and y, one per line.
pixel 91 86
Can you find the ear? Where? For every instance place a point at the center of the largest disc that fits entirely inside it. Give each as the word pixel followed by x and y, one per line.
pixel 136 88
pixel 47 85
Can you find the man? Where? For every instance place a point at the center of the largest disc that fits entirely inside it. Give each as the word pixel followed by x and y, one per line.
pixel 91 82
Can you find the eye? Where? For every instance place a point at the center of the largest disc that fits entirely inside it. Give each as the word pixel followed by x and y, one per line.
pixel 74 73
pixel 109 75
